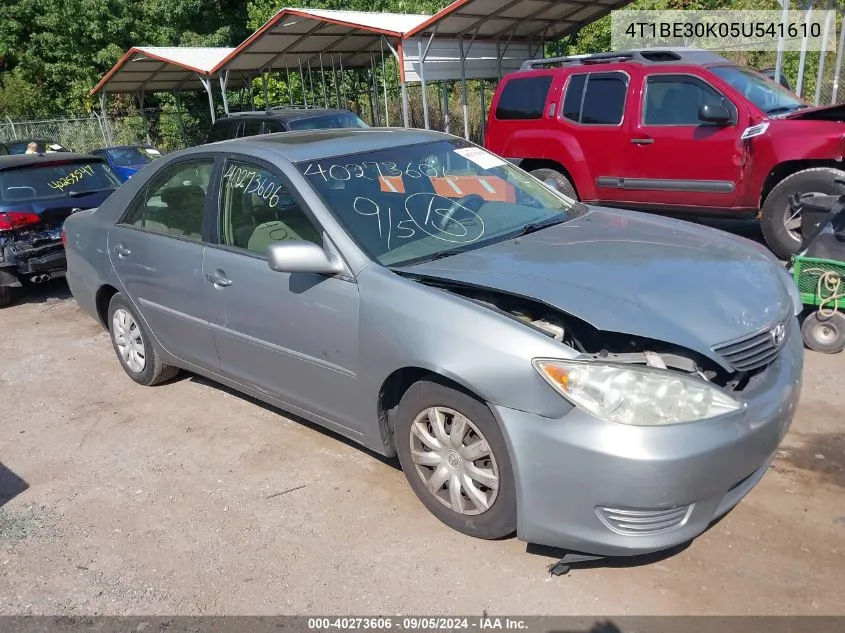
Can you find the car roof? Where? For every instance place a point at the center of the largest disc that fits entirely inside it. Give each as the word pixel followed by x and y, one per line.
pixel 316 144
pixel 18 160
pixel 287 114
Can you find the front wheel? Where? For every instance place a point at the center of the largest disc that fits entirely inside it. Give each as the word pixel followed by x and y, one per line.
pixel 455 459
pixel 781 225
pixel 824 334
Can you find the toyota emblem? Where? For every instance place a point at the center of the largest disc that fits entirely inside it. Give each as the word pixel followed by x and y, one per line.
pixel 778 334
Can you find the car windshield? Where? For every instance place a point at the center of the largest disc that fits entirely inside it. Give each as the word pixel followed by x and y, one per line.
pixel 341 119
pixel 770 97
pixel 55 180
pixel 130 156
pixel 418 202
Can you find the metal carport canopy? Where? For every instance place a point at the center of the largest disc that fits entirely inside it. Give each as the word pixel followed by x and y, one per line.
pixel 303 35
pixel 164 69
pixel 515 19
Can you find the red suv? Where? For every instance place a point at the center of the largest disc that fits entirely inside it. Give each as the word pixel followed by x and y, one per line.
pixel 673 131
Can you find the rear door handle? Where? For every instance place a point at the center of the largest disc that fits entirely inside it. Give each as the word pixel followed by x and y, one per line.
pixel 218 279
pixel 122 251
pixel 642 141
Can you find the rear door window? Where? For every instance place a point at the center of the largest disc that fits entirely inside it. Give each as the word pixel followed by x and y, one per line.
pixel 220 131
pixel 524 98
pixel 273 126
pixel 174 202
pixel 250 127
pixel 596 98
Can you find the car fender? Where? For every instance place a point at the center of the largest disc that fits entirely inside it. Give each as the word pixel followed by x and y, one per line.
pixel 560 147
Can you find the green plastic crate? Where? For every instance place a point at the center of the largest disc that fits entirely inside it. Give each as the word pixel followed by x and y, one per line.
pixel 807 270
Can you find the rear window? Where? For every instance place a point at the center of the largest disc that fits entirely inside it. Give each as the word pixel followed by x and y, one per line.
pixel 220 131
pixel 20 147
pixel 131 156
pixel 42 182
pixel 524 98
pixel 596 98
pixel 327 121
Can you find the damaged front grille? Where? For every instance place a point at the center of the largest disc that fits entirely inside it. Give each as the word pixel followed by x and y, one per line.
pixel 754 350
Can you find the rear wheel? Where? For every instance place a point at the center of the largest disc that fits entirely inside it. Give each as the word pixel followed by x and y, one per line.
pixel 780 224
pixel 134 346
pixel 556 180
pixel 824 334
pixel 455 458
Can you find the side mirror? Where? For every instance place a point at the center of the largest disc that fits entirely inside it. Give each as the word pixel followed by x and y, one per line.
pixel 301 257
pixel 714 113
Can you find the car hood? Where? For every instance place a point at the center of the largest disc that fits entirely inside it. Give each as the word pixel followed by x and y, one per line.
pixel 821 113
pixel 635 274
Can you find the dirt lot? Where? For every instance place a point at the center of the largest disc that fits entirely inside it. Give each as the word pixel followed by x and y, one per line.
pixel 187 498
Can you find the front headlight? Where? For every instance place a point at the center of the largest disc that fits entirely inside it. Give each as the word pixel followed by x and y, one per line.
pixel 630 394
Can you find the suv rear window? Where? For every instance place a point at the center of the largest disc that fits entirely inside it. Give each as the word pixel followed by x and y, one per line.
pixel 55 180
pixel 596 98
pixel 524 98
pixel 220 131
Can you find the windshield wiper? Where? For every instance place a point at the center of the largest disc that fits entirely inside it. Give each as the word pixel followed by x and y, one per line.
pixel 533 227
pixel 79 194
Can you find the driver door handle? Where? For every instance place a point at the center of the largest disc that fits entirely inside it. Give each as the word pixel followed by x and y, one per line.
pixel 121 251
pixel 218 279
pixel 642 141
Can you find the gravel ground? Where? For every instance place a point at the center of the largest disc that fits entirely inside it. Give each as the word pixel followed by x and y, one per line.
pixel 188 498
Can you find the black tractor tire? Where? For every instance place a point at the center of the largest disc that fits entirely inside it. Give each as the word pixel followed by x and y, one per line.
pixel 776 210
pixel 825 334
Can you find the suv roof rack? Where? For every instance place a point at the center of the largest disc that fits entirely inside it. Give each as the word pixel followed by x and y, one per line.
pixel 642 56
pixel 293 107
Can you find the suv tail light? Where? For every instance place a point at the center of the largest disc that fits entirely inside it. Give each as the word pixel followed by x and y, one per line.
pixel 10 220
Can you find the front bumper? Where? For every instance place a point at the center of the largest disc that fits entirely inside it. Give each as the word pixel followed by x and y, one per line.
pixel 591 486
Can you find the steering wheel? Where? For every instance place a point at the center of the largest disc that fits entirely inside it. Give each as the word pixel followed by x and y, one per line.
pixel 463 202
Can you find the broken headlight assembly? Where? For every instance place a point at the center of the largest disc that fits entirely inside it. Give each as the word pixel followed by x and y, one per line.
pixel 635 395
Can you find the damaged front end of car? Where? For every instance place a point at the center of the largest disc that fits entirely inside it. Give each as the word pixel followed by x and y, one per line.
pixel 609 348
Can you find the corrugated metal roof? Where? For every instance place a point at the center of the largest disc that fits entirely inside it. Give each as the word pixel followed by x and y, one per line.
pixel 516 19
pixel 292 36
pixel 163 69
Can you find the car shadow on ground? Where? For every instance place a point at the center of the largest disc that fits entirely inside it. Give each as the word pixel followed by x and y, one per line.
pixel 10 485
pixel 388 461
pixel 47 292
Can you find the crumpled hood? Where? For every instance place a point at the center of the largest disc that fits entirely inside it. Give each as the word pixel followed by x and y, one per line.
pixel 636 274
pixel 820 113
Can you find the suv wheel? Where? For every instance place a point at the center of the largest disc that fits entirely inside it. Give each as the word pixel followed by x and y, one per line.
pixel 556 180
pixel 781 227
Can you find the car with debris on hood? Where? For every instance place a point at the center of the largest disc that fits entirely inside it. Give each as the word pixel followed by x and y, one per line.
pixel 597 380
pixel 37 193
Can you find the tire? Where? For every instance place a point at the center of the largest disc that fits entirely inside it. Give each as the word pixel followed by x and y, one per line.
pixel 559 181
pixel 141 361
pixel 494 516
pixel 7 294
pixel 824 334
pixel 782 241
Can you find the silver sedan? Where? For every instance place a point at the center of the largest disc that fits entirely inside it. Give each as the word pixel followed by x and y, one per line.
pixel 598 380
